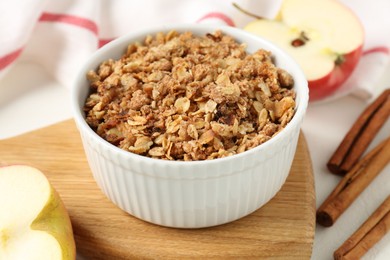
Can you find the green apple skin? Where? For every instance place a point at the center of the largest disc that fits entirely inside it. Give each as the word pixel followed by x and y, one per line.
pixel 51 217
pixel 55 220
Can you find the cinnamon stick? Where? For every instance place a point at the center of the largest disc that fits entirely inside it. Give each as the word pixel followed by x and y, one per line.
pixel 360 135
pixel 353 183
pixel 370 232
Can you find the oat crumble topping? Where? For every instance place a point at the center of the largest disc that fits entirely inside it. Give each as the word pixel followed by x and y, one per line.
pixel 186 97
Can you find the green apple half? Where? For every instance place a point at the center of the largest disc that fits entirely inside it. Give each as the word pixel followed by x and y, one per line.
pixel 323 36
pixel 34 223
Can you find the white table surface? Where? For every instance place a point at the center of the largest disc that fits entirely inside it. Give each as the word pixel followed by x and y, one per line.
pixel 31 99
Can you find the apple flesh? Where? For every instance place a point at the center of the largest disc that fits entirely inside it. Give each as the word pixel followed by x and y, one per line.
pixel 34 223
pixel 323 36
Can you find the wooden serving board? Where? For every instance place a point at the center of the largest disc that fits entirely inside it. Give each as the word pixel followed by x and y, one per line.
pixel 283 228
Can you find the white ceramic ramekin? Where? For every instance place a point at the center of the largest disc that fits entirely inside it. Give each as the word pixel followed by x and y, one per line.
pixel 199 193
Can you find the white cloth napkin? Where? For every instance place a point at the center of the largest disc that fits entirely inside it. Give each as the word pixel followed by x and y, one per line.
pixel 60 35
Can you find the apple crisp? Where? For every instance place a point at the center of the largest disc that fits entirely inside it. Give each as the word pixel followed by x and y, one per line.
pixel 178 96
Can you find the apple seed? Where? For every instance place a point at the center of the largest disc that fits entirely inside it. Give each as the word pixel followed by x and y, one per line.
pixel 298 42
pixel 301 40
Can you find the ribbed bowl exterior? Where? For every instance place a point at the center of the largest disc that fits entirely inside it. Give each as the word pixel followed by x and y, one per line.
pixel 199 195
pixel 192 194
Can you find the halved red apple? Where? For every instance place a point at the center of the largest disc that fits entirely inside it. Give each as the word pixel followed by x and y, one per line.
pixel 323 36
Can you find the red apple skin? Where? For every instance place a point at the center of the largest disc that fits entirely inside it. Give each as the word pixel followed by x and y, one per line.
pixel 325 86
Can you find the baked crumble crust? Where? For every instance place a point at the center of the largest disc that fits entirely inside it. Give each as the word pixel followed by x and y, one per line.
pixel 185 97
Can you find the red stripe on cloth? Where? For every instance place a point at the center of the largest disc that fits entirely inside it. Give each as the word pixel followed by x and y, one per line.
pixel 103 42
pixel 220 16
pixel 9 58
pixel 381 49
pixel 62 18
pixel 70 19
